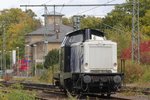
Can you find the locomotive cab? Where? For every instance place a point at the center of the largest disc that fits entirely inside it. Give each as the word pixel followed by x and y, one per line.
pixel 88 63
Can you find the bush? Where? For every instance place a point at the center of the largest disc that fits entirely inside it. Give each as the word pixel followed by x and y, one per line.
pixel 3 95
pixel 39 66
pixel 133 72
pixel 136 73
pixel 52 58
pixel 47 75
pixel 146 76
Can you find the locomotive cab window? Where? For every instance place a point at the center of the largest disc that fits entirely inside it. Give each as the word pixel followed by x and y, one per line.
pixel 76 38
pixel 96 37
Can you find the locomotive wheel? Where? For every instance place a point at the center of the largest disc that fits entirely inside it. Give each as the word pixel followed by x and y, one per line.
pixel 108 94
pixel 74 93
pixel 68 85
pixel 102 95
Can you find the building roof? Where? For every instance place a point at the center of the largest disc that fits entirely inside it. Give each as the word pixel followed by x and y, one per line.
pixel 52 14
pixel 63 31
pixel 50 34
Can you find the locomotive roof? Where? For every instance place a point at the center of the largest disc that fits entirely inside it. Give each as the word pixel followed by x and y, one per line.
pixel 83 31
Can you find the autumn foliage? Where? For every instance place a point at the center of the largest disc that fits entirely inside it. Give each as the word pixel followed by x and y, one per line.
pixel 144 51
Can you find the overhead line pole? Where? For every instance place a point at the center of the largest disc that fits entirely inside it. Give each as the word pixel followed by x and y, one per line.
pixel 45 34
pixel 54 20
pixel 135 32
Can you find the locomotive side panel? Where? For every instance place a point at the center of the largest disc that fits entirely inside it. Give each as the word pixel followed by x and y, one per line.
pixel 76 61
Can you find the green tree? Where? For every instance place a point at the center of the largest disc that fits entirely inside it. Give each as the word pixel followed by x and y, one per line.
pixel 52 58
pixel 118 23
pixel 17 24
pixel 121 37
pixel 67 21
pixel 123 15
pixel 90 22
pixel 145 28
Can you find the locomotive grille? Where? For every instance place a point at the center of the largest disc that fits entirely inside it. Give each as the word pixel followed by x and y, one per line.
pixel 101 78
pixel 101 71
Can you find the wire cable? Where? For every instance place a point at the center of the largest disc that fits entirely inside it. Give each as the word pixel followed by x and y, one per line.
pixel 64 4
pixel 46 2
pixel 94 7
pixel 61 8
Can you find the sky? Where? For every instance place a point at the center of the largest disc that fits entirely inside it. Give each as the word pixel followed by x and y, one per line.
pixel 67 11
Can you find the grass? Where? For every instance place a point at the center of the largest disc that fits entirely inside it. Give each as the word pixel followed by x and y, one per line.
pixel 137 73
pixel 47 76
pixel 70 97
pixel 146 75
pixel 16 92
pixel 134 73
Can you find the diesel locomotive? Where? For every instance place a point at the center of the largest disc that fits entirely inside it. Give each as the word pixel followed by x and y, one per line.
pixel 88 64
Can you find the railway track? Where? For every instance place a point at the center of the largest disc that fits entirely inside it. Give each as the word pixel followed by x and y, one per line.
pixel 38 86
pixel 145 91
pixel 48 91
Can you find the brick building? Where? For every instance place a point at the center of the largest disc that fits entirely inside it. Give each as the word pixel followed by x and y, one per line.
pixel 46 38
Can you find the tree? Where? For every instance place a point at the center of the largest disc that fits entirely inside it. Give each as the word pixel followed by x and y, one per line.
pixel 145 28
pixel 121 35
pixel 52 58
pixel 123 15
pixel 118 23
pixel 67 21
pixel 90 22
pixel 17 24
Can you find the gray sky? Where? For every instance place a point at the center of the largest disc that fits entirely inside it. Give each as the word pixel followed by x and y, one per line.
pixel 68 11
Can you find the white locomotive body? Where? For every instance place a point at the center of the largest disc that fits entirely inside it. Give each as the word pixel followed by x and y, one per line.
pixel 97 56
pixel 88 63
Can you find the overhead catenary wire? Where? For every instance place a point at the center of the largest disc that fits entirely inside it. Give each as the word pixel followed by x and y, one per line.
pixel 64 4
pixel 46 2
pixel 61 8
pixel 73 5
pixel 119 30
pixel 40 10
pixel 94 7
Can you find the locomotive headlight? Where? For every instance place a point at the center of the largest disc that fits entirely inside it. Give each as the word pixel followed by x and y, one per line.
pixel 87 79
pixel 115 64
pixel 86 64
pixel 117 79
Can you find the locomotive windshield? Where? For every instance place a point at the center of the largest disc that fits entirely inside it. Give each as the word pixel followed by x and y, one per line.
pixel 95 37
pixel 82 35
pixel 76 38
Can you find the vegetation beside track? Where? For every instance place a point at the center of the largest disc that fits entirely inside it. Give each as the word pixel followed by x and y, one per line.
pixel 16 92
pixel 137 74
